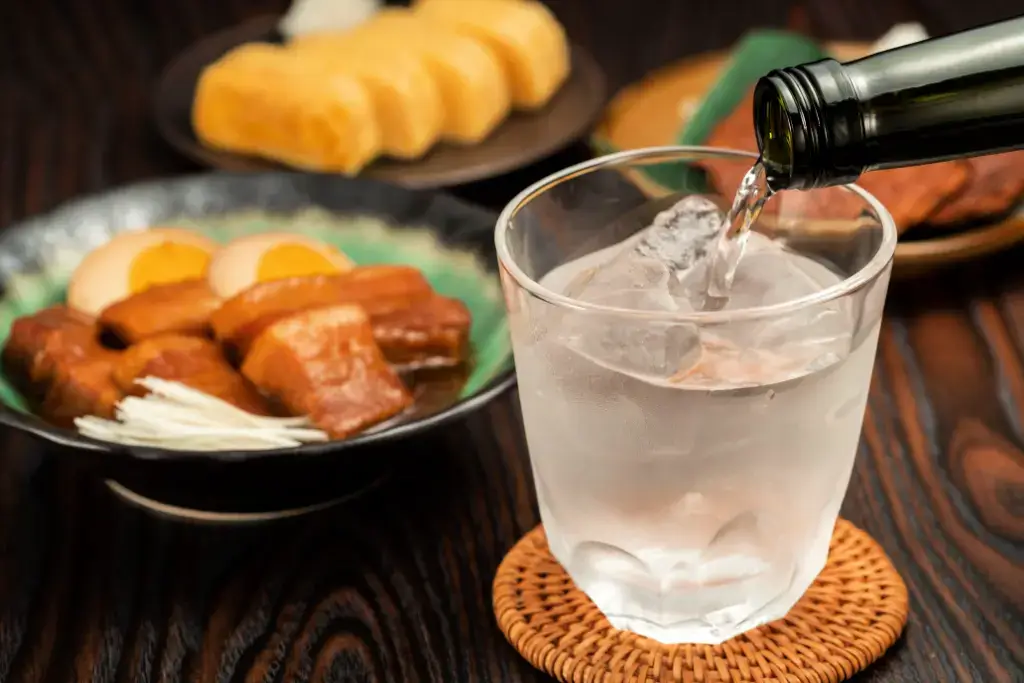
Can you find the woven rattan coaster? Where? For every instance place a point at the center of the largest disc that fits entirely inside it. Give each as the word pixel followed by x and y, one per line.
pixel 848 618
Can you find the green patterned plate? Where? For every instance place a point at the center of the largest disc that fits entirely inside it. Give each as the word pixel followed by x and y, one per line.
pixel 450 242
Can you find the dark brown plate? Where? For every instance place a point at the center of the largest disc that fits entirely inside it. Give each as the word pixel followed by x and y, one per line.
pixel 520 140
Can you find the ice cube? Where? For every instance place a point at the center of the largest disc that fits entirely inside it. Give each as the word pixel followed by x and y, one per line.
pixel 646 274
pixel 655 260
pixel 649 351
pixel 664 268
pixel 635 282
pixel 682 235
pixel 776 347
pixel 770 274
pixel 802 341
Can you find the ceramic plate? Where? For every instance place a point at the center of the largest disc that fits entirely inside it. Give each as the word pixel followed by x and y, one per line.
pixel 450 242
pixel 520 140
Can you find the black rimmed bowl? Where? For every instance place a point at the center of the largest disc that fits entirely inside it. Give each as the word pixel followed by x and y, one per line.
pixel 449 241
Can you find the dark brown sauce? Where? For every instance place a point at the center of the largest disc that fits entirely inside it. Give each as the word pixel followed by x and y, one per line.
pixel 435 389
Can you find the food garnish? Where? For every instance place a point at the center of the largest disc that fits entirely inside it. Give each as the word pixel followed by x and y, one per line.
pixel 177 417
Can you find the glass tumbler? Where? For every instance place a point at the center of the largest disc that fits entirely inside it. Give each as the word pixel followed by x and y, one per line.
pixel 690 460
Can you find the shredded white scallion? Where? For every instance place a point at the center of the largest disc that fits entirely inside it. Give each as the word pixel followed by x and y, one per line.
pixel 178 417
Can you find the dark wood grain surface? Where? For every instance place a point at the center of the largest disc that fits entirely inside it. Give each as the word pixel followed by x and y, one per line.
pixel 396 587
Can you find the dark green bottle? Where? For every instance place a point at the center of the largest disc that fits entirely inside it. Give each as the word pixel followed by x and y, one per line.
pixel 961 95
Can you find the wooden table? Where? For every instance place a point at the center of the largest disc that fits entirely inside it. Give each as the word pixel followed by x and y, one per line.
pixel 396 587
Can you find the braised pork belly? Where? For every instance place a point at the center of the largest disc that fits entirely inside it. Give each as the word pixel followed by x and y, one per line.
pixel 195 362
pixel 182 308
pixel 325 363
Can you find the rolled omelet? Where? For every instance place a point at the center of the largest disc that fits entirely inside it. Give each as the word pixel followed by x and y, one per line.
pixel 259 100
pixel 469 75
pixel 407 101
pixel 524 34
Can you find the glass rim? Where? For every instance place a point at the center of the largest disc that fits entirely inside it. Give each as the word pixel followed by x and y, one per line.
pixel 865 275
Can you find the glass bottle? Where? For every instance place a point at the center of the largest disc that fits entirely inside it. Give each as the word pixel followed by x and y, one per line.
pixel 825 123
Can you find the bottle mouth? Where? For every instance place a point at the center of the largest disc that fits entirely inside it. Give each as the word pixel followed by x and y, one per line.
pixel 806 122
pixel 774 131
pixel 787 135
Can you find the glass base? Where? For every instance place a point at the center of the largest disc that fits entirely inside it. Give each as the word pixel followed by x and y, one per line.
pixel 695 632
pixel 635 596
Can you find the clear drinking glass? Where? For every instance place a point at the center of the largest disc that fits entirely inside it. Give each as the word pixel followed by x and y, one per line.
pixel 690 463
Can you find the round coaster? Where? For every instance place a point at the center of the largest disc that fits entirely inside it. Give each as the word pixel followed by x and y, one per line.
pixel 848 618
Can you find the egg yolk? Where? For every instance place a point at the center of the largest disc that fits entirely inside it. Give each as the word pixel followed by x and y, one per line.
pixel 165 263
pixel 292 260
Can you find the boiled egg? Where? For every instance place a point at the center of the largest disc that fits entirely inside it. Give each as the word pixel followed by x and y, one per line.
pixel 247 261
pixel 133 262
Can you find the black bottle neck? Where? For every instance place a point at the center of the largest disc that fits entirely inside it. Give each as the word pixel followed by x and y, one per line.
pixel 825 123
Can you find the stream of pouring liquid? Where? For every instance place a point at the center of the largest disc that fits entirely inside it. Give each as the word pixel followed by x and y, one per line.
pixel 750 198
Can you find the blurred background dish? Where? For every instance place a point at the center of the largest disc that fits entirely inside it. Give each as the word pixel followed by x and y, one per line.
pixel 419 149
pixel 946 213
pixel 449 242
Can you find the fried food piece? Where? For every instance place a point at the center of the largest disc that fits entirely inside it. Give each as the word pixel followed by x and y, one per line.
pixel 379 289
pixel 431 333
pixel 55 360
pixel 910 194
pixel 182 308
pixel 195 362
pixel 995 187
pixel 324 363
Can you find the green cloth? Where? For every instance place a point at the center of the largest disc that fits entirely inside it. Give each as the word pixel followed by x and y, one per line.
pixel 757 53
